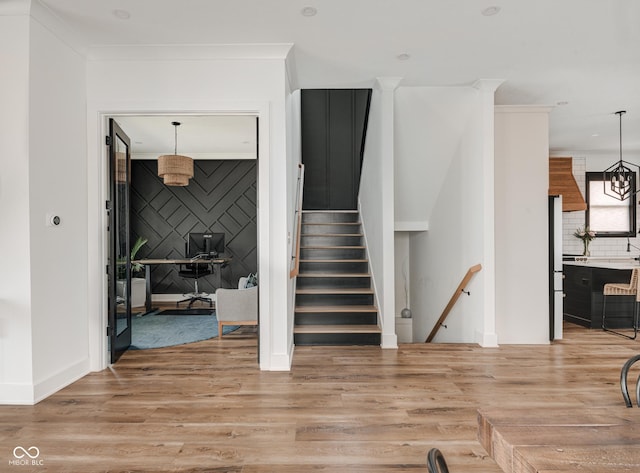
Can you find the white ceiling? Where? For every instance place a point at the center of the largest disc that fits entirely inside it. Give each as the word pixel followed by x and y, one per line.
pixel 581 56
pixel 199 137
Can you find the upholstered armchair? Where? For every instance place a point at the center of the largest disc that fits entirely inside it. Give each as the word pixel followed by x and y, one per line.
pixel 236 307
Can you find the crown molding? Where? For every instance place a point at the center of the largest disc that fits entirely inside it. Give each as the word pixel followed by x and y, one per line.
pixel 160 52
pixel 15 7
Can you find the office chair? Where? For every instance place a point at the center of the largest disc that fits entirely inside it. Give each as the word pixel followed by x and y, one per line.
pixel 195 270
pixel 436 462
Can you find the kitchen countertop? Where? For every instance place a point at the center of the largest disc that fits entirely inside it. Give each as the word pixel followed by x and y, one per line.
pixel 612 262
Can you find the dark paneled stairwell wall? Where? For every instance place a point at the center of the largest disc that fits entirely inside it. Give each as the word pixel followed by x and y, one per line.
pixel 334 126
pixel 221 197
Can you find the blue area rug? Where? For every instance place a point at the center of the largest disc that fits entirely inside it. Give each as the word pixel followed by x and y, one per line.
pixel 157 331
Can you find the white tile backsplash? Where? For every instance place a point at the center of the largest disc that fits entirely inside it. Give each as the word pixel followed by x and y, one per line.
pixel 573 220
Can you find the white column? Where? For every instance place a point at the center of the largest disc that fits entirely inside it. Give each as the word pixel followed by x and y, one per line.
pixel 387 87
pixel 487 337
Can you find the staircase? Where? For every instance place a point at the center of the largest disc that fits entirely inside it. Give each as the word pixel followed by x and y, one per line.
pixel 334 298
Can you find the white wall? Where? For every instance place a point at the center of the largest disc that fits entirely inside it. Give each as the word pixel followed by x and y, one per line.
pixel 174 80
pixel 16 372
pixel 438 180
pixel 43 345
pixel 376 203
pixel 57 185
pixel 521 224
pixel 402 270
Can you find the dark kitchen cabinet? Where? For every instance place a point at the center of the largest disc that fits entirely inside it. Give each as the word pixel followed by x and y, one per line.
pixel 583 296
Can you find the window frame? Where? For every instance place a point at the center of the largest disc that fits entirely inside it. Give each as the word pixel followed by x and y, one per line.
pixel 604 177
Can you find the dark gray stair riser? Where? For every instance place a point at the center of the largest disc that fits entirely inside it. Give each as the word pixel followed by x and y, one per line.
pixel 344 318
pixel 311 228
pixel 331 240
pixel 334 267
pixel 333 282
pixel 330 217
pixel 328 241
pixel 333 299
pixel 332 253
pixel 336 339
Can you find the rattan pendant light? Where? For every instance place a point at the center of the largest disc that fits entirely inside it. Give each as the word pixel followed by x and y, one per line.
pixel 175 169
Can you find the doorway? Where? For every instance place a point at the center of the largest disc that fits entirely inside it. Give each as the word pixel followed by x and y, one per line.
pixel 221 197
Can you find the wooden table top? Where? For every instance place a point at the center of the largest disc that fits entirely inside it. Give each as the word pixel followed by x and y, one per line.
pixel 557 440
pixel 181 260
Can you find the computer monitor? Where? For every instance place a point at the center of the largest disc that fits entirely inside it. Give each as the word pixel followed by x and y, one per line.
pixel 205 244
pixel 217 244
pixel 199 244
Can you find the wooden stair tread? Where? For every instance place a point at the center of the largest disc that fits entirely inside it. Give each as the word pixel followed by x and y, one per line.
pixel 329 211
pixel 331 223
pixel 333 275
pixel 325 247
pixel 336 329
pixel 335 308
pixel 334 261
pixel 332 235
pixel 357 290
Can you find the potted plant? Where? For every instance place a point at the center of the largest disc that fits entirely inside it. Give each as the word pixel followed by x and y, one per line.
pixel 586 235
pixel 138 287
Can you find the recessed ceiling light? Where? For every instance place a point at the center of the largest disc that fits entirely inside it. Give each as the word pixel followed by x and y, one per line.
pixel 595 135
pixel 490 11
pixel 403 56
pixel 562 102
pixel 309 11
pixel 121 14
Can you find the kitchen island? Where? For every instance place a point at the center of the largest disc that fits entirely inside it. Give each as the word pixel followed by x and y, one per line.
pixel 584 280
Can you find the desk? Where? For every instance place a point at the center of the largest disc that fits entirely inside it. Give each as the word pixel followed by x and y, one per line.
pixel 555 440
pixel 219 262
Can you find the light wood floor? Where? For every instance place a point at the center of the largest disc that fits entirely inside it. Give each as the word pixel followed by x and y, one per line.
pixel 206 407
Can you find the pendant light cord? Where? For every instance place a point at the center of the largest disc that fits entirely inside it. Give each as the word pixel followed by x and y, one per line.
pixel 620 113
pixel 175 139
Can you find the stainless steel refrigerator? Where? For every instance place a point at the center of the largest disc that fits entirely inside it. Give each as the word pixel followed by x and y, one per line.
pixel 556 275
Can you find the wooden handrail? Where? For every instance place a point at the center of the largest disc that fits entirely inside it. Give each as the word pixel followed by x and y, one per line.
pixel 465 280
pixel 296 249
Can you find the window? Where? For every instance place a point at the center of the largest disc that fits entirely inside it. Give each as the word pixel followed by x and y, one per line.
pixel 606 215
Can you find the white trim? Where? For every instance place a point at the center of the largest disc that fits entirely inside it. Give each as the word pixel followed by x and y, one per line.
pixel 212 156
pixel 414 226
pixel 61 379
pixel 486 340
pixel 184 52
pixel 97 128
pixel 523 109
pixel 16 394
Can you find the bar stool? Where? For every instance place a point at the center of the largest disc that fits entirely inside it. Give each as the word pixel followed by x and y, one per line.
pixel 436 462
pixel 620 289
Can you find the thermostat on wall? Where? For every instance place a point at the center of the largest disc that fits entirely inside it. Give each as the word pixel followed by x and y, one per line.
pixel 53 220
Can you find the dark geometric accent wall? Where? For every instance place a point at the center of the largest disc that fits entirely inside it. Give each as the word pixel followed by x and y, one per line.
pixel 221 197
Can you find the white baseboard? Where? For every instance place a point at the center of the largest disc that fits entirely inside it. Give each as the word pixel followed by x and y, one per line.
pixel 52 384
pixel 486 340
pixel 30 394
pixel 389 340
pixel 16 394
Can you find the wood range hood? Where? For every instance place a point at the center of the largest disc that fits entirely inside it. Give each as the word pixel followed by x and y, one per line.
pixel 562 182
